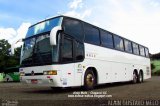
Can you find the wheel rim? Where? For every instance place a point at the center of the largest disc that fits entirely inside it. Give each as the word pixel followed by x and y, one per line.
pixel 90 80
pixel 134 77
pixel 140 77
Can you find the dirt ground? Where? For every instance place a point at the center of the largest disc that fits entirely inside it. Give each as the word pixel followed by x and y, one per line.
pixel 18 94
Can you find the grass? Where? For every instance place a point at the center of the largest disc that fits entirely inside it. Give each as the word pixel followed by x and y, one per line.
pixel 156 63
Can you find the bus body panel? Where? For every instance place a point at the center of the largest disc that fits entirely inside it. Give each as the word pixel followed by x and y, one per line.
pixel 1 77
pixel 113 65
pixel 66 75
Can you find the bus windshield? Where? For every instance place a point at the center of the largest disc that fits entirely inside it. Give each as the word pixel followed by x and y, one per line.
pixel 44 26
pixel 37 49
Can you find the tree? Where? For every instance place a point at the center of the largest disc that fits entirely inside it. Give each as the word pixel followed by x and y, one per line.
pixel 152 66
pixel 6 59
pixel 4 47
pixel 155 56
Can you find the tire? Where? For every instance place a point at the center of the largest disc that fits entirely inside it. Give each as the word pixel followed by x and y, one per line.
pixel 140 77
pixel 135 78
pixel 89 80
pixel 8 80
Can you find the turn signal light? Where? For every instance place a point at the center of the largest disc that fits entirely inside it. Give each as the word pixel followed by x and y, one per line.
pixel 52 72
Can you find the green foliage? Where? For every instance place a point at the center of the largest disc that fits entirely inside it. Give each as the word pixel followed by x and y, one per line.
pixel 4 47
pixel 6 59
pixel 152 66
pixel 155 66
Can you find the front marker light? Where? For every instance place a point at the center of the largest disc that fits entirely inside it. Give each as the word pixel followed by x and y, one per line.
pixel 51 72
pixel 22 74
pixel 45 73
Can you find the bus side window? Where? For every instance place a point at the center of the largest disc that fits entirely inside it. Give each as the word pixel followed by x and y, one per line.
pixel 107 39
pixel 73 28
pixel 118 42
pixel 135 48
pixel 142 53
pixel 91 34
pixel 147 52
pixel 128 46
pixel 67 50
pixel 79 47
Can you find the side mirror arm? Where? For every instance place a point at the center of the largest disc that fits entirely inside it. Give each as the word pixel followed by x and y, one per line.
pixel 53 35
pixel 13 46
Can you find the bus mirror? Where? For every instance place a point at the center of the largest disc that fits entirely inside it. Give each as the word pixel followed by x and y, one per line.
pixel 53 35
pixel 12 49
pixel 13 46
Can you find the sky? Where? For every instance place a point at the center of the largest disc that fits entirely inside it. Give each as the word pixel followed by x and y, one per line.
pixel 137 20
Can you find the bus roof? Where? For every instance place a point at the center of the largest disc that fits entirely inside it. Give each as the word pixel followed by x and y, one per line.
pixel 84 22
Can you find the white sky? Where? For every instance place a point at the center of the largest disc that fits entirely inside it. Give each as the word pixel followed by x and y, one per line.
pixel 137 20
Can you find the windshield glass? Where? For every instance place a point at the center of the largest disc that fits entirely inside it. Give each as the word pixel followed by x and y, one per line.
pixel 44 26
pixel 38 51
pixel 28 48
pixel 42 44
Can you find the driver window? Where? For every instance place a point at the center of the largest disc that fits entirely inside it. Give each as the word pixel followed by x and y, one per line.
pixel 67 50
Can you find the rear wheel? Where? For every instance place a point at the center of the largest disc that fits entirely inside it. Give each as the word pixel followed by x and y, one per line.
pixel 135 77
pixel 140 77
pixel 89 80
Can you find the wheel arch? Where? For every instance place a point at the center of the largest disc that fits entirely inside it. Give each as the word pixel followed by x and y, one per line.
pixel 94 71
pixel 136 71
pixel 141 71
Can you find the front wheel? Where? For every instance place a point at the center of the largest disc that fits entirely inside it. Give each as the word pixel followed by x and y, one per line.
pixel 89 80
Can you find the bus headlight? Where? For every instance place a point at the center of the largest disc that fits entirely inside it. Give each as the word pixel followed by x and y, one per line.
pixel 51 72
pixel 22 74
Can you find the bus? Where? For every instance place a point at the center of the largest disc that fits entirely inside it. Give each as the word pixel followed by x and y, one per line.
pixel 64 52
pixel 1 76
pixel 11 74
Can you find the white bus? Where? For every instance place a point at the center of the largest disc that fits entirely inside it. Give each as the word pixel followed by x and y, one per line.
pixel 67 52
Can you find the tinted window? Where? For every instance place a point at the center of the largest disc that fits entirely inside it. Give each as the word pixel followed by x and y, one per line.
pixel 135 48
pixel 142 53
pixel 73 28
pixel 44 26
pixel 118 42
pixel 43 40
pixel 79 51
pixel 106 39
pixel 67 47
pixel 147 52
pixel 128 46
pixel 91 34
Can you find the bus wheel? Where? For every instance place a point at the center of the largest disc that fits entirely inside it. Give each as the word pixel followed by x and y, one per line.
pixel 140 77
pixel 135 77
pixel 7 79
pixel 89 80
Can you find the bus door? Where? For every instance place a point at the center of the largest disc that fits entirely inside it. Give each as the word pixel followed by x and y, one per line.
pixel 79 57
pixel 67 60
pixel 72 55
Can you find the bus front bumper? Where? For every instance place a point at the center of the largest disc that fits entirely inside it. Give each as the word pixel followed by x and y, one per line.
pixel 44 80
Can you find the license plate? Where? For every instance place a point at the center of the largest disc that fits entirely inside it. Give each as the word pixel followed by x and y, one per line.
pixel 34 81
